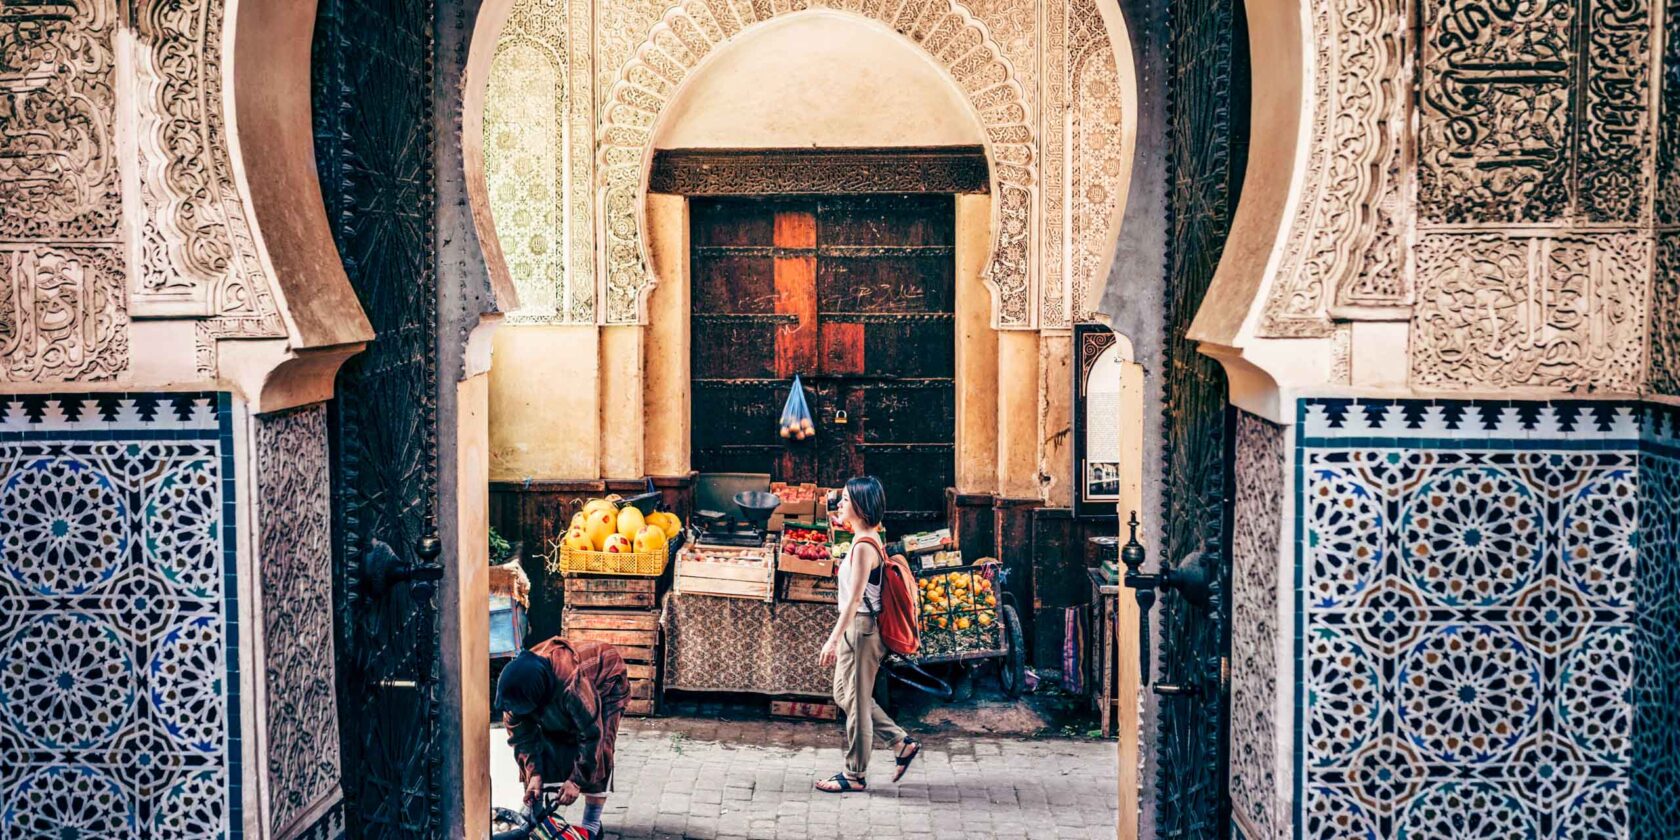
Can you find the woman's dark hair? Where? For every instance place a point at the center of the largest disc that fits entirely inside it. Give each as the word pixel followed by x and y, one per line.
pixel 869 501
pixel 525 685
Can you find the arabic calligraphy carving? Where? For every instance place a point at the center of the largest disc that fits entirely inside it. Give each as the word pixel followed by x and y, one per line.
pixel 1497 311
pixel 1499 137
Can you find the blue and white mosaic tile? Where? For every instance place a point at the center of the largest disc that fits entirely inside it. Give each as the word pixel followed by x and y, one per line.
pixel 1655 785
pixel 119 707
pixel 1468 589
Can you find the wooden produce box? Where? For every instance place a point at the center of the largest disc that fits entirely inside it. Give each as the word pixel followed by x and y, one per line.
pixel 635 635
pixel 804 710
pixel 727 572
pixel 812 589
pixel 610 593
pixel 813 544
pixel 800 566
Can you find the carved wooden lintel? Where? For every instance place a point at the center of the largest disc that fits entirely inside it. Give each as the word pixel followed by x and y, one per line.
pixel 702 172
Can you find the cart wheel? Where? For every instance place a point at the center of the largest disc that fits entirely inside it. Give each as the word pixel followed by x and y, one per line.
pixel 1012 671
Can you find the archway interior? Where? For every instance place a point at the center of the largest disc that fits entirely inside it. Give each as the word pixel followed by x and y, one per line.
pixel 818 79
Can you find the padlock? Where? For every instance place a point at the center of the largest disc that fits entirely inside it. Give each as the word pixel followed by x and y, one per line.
pixel 840 418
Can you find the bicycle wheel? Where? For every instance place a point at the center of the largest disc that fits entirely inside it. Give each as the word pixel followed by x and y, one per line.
pixel 1012 669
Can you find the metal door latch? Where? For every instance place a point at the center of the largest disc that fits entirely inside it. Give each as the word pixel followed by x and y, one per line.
pixel 383 569
pixel 1193 579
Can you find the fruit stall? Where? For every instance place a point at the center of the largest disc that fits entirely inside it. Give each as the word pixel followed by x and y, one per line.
pixel 740 596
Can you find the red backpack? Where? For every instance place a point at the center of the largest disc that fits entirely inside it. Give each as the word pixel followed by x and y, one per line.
pixel 899 618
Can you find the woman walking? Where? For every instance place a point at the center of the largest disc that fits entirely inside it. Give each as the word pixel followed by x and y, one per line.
pixel 855 648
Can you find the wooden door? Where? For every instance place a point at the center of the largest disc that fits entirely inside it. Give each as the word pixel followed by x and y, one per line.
pixel 856 295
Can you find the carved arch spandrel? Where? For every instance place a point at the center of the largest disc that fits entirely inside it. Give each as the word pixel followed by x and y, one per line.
pixel 952 37
pixel 1346 243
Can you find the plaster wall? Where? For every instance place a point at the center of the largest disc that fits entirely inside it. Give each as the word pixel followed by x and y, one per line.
pixel 826 80
pixel 469 622
pixel 665 401
pixel 1055 387
pixel 545 403
pixel 622 390
pixel 977 359
pixel 1019 415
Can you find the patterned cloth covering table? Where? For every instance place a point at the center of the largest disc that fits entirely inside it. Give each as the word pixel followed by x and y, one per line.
pixel 741 645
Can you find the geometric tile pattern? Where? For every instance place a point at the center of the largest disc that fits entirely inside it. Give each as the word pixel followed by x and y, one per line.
pixel 1466 595
pixel 294 552
pixel 1655 794
pixel 119 703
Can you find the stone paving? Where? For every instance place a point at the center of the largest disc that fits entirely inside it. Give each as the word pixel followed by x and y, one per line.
pixel 681 777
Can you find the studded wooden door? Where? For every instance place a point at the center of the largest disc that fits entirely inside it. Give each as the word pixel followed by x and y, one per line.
pixel 372 92
pixel 856 295
pixel 1207 136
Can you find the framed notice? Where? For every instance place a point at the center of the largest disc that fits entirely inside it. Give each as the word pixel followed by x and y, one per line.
pixel 1097 368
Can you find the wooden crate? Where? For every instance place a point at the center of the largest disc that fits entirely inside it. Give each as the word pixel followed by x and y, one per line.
pixel 727 572
pixel 636 636
pixel 804 710
pixel 811 589
pixel 610 592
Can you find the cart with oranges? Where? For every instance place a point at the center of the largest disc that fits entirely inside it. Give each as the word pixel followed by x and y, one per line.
pixel 967 619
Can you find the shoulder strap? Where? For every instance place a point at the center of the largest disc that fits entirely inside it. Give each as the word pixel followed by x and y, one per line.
pixel 877 575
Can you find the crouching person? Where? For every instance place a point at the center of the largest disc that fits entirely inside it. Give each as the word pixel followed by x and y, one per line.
pixel 563 702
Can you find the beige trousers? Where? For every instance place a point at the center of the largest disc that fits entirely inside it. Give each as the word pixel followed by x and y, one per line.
pixel 858 660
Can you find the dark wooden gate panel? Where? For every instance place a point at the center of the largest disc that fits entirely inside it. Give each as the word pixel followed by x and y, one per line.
pixel 372 97
pixel 1207 131
pixel 856 295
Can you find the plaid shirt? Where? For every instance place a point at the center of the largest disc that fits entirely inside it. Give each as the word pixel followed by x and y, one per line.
pixel 590 676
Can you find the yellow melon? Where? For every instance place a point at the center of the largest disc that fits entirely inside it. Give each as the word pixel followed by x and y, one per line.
pixel 650 540
pixel 617 544
pixel 600 524
pixel 577 521
pixel 598 504
pixel 578 540
pixel 667 522
pixel 630 522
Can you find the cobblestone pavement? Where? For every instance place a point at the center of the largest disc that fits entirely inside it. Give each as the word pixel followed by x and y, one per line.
pixel 707 778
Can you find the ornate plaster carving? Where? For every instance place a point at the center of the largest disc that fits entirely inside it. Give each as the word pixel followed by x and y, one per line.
pixel 1667 187
pixel 63 314
pixel 826 171
pixel 1665 316
pixel 1498 311
pixel 58 164
pixel 1098 148
pixel 952 37
pixel 1053 149
pixel 1255 553
pixel 63 309
pixel 197 254
pixel 1346 246
pixel 1531 113
pixel 187 250
pixel 539 152
pixel 196 251
pixel 295 552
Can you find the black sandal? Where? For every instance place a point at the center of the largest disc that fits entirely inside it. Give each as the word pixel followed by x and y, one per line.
pixel 903 761
pixel 842 784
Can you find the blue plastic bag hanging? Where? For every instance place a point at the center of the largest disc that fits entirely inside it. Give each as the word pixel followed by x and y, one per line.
pixel 796 414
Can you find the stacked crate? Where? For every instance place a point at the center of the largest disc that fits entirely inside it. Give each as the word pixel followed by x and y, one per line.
pixel 620 611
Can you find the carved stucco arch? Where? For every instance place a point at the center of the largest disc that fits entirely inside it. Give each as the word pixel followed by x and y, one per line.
pixel 954 38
